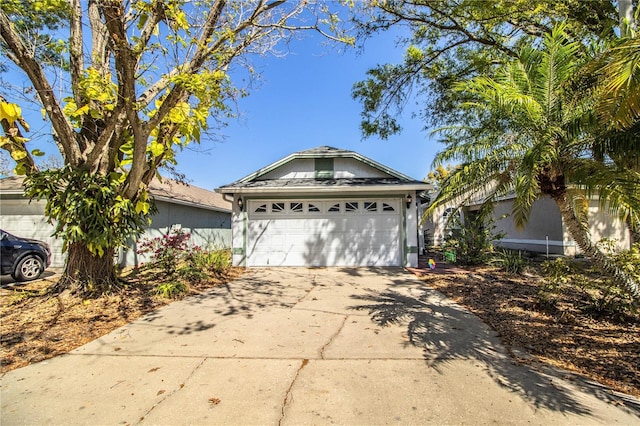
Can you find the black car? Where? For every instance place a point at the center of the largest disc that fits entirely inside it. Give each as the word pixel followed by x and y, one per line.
pixel 24 258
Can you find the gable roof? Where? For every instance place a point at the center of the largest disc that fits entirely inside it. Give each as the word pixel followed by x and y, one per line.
pixel 322 152
pixel 253 182
pixel 168 190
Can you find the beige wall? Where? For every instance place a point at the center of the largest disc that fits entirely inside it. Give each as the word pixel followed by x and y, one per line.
pixel 545 221
pixel 544 229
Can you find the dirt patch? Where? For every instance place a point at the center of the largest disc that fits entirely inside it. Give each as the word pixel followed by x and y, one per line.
pixel 35 327
pixel 564 334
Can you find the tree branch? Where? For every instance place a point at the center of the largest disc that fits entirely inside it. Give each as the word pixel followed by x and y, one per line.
pixel 75 48
pixel 99 39
pixel 125 64
pixel 66 137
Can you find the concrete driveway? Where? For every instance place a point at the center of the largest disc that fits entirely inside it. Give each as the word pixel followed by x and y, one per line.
pixel 304 346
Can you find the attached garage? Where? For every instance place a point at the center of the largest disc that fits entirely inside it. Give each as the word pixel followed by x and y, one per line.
pixel 324 207
pixel 324 232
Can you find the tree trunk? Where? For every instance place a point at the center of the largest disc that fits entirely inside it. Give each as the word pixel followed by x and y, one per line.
pixel 581 236
pixel 86 274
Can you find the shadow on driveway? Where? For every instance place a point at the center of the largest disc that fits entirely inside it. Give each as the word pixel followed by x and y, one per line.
pixel 447 332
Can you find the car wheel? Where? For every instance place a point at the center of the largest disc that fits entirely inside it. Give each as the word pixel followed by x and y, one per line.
pixel 29 269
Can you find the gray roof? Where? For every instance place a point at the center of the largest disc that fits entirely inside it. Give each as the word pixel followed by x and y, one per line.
pixel 168 190
pixel 182 193
pixel 308 183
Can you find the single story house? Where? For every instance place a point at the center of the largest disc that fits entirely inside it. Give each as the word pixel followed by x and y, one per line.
pixel 205 214
pixel 545 232
pixel 325 207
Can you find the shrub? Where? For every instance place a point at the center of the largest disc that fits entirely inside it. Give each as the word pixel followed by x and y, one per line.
pixel 171 289
pixel 605 298
pixel 471 241
pixel 183 262
pixel 167 251
pixel 219 261
pixel 510 261
pixel 557 274
pixel 200 263
pixel 597 296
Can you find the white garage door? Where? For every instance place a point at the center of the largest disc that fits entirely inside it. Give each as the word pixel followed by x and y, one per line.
pixel 353 232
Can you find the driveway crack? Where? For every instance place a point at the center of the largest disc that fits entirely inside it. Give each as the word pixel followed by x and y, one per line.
pixel 288 396
pixel 172 393
pixel 332 338
pixel 307 292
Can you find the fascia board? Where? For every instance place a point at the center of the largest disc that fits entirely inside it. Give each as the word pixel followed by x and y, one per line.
pixel 324 189
pixel 253 176
pixel 12 192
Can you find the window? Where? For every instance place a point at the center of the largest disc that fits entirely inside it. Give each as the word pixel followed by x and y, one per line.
pixel 335 208
pixel 296 207
pixel 313 208
pixel 351 206
pixel 370 206
pixel 387 208
pixel 277 207
pixel 324 168
pixel 262 208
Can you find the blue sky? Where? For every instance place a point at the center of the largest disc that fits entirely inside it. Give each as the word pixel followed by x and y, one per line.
pixel 303 102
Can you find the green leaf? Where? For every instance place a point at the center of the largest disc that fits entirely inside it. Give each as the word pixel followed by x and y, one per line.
pixel 19 155
pixel 142 207
pixel 156 148
pixel 180 113
pixel 20 169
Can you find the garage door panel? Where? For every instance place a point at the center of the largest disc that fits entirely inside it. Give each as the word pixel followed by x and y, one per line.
pixel 341 238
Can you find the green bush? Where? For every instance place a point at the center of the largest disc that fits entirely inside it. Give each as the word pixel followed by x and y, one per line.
pixel 510 261
pixel 472 241
pixel 605 298
pixel 200 263
pixel 183 262
pixel 597 294
pixel 172 289
pixel 557 274
pixel 219 260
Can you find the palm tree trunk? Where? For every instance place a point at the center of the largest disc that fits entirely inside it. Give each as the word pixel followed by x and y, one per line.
pixel 580 235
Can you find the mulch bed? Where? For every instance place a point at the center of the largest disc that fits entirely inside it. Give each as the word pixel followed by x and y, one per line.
pixel 35 327
pixel 605 349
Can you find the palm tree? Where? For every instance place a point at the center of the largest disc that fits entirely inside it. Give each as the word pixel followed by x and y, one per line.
pixel 619 71
pixel 529 138
pixel 613 78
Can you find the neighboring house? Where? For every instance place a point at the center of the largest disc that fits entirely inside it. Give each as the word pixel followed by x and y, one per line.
pixel 325 207
pixel 545 231
pixel 205 214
